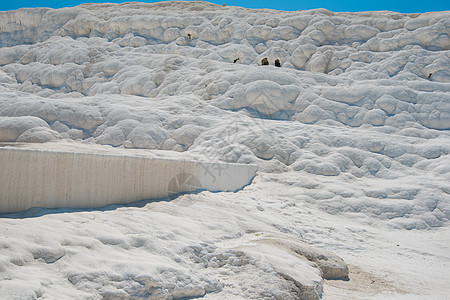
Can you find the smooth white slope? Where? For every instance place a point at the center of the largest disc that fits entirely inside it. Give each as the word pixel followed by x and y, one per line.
pixel 48 178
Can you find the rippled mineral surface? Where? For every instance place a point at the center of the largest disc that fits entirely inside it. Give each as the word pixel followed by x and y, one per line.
pixel 346 116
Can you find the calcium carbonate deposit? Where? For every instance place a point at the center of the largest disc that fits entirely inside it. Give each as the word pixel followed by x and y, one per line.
pixel 55 178
pixel 346 116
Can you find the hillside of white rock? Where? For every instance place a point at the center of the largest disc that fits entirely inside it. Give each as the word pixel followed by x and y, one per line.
pixel 348 125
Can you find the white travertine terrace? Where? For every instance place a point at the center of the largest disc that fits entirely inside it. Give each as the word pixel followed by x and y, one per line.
pixel 348 125
pixel 73 179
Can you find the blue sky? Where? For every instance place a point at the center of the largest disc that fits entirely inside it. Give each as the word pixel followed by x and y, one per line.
pixel 404 6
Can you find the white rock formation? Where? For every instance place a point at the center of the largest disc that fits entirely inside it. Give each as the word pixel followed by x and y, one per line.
pixel 39 177
pixel 350 135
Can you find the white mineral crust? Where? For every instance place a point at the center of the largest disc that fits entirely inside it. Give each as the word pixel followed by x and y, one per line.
pixel 350 135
